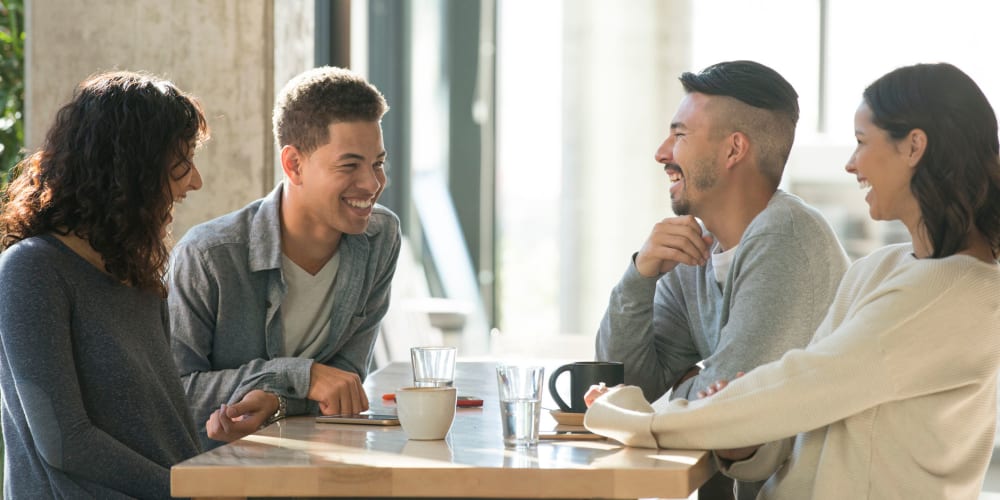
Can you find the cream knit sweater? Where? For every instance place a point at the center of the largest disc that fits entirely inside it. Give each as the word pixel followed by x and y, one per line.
pixel 895 397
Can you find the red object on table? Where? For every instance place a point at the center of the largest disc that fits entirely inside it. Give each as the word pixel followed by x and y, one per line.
pixel 463 401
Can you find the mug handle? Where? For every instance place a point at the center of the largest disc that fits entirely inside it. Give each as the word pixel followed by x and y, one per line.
pixel 552 387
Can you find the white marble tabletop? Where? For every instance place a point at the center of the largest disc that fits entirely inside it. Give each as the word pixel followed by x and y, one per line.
pixel 299 457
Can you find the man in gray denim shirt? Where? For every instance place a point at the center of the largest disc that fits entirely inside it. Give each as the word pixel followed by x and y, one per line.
pixel 275 307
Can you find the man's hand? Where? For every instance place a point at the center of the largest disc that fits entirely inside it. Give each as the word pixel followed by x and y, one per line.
pixel 717 386
pixel 735 454
pixel 337 391
pixel 677 240
pixel 232 422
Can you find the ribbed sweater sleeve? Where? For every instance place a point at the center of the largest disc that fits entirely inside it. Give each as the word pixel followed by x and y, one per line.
pixel 889 312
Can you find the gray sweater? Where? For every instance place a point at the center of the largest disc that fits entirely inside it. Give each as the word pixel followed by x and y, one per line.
pixel 92 403
pixel 783 277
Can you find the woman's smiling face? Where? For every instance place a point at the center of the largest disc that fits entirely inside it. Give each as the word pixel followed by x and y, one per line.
pixel 884 166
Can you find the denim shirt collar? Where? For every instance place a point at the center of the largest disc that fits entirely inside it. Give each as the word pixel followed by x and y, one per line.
pixel 265 232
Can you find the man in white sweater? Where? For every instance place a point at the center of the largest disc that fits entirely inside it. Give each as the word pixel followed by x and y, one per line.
pixel 756 281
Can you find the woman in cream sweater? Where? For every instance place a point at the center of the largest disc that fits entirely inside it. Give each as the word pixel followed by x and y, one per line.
pixel 895 397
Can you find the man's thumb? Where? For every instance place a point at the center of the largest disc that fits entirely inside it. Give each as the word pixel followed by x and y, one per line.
pixel 235 410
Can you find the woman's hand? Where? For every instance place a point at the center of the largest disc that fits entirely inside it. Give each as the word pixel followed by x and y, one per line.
pixel 735 454
pixel 594 392
pixel 232 422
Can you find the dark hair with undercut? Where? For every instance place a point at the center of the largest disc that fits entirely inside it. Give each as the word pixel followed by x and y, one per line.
pixel 316 98
pixel 104 172
pixel 769 112
pixel 957 180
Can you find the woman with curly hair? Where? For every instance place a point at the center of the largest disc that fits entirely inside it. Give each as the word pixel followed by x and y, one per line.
pixel 92 402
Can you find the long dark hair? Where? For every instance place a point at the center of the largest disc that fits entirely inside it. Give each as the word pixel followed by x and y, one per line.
pixel 957 181
pixel 104 173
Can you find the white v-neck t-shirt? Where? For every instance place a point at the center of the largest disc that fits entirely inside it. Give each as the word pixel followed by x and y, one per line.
pixel 721 262
pixel 308 305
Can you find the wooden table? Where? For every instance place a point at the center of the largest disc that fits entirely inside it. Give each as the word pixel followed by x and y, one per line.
pixel 299 457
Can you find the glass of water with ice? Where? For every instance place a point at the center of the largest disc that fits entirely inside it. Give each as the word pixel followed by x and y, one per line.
pixel 520 388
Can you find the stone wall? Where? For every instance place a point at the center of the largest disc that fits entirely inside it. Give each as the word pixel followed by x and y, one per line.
pixel 226 52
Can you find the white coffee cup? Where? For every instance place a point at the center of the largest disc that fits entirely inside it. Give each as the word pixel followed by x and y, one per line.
pixel 426 412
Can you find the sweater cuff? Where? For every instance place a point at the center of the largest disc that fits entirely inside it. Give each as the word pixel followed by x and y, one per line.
pixel 624 415
pixel 633 283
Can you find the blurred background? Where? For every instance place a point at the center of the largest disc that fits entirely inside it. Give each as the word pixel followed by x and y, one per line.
pixel 521 134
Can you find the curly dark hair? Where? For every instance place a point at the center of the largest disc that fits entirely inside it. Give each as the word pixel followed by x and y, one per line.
pixel 314 99
pixel 104 172
pixel 957 180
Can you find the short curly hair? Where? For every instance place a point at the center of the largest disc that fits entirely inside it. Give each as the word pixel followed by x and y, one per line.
pixel 104 172
pixel 316 98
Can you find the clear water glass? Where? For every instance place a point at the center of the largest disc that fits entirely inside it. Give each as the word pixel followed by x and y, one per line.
pixel 433 366
pixel 520 389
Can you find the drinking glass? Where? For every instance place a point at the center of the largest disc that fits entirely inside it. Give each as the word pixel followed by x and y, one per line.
pixel 520 388
pixel 433 366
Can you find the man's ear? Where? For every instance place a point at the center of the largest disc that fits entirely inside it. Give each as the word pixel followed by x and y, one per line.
pixel 291 163
pixel 915 146
pixel 737 148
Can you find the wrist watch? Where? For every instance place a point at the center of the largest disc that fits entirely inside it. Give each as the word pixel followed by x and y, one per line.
pixel 280 412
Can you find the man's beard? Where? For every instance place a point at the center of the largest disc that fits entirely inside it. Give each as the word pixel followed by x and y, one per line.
pixel 703 179
pixel 681 206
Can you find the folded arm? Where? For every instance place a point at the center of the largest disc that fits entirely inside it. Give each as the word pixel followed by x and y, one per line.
pixel 864 362
pixel 770 309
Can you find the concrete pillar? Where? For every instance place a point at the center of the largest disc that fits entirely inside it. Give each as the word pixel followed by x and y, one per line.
pixel 226 52
pixel 620 90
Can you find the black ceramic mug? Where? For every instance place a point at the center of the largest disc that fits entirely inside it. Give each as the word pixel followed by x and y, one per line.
pixel 582 375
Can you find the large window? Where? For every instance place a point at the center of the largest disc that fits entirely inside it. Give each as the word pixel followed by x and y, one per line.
pixel 577 95
pixel 585 90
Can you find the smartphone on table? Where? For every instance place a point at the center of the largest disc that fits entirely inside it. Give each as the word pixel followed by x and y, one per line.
pixel 362 418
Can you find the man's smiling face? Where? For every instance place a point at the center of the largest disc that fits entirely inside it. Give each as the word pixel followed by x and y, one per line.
pixel 688 155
